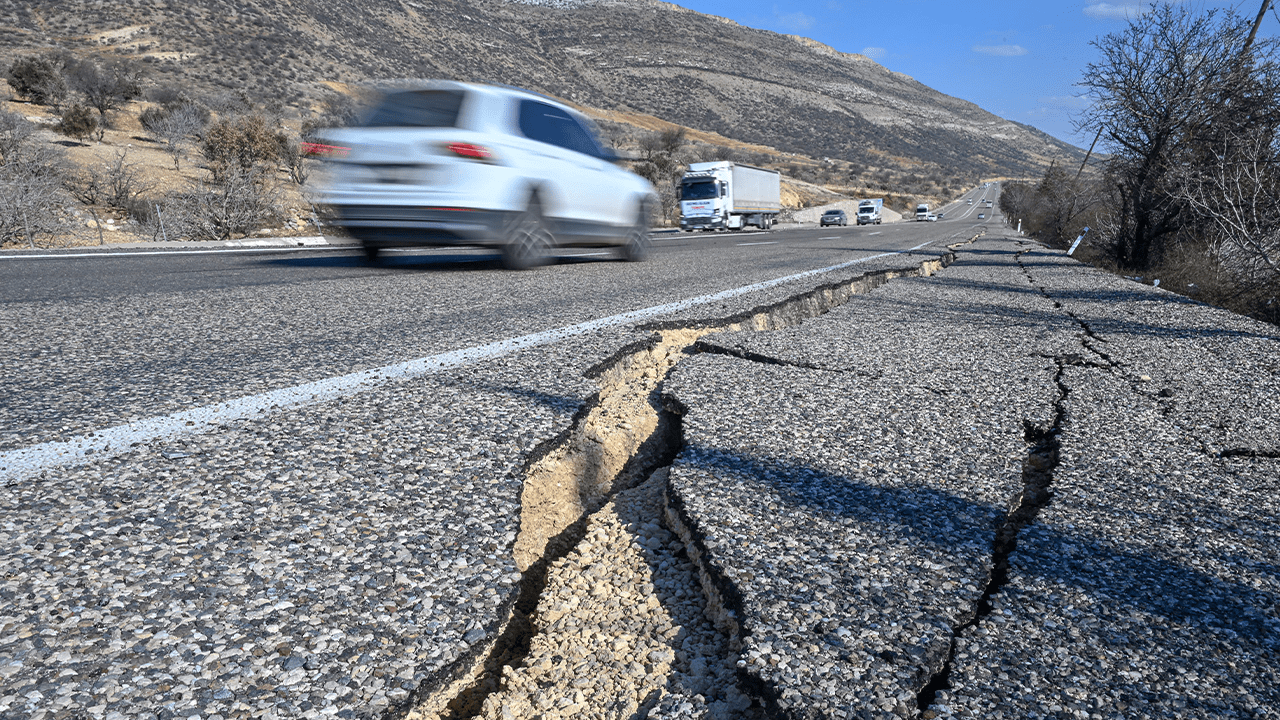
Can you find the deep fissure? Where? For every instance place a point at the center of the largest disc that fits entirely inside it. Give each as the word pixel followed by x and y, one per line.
pixel 617 440
pixel 1038 467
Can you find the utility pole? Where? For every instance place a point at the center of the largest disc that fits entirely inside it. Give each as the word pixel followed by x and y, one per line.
pixel 1091 147
pixel 1256 24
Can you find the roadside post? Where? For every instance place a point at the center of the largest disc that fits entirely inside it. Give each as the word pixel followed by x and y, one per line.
pixel 1076 244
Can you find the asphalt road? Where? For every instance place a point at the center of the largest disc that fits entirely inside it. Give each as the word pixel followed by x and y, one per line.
pixel 94 340
pixel 290 484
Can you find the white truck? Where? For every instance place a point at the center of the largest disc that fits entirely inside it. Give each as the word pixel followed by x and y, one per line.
pixel 728 195
pixel 922 212
pixel 869 211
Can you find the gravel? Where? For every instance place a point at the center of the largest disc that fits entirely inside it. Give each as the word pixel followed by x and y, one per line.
pixel 622 628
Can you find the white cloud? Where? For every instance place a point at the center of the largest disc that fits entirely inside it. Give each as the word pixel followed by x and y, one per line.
pixel 1107 11
pixel 1001 50
pixel 874 53
pixel 794 22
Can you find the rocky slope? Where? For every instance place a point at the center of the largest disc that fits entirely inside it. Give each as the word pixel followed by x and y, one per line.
pixel 637 56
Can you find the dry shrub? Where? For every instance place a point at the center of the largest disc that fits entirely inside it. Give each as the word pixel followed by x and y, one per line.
pixel 33 206
pixel 233 202
pixel 116 183
pixel 38 79
pixel 241 143
pixel 78 121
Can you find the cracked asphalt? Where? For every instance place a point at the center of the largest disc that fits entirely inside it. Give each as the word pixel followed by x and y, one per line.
pixel 853 518
pixel 841 486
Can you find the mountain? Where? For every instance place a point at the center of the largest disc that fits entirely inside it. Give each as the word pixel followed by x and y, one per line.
pixel 630 56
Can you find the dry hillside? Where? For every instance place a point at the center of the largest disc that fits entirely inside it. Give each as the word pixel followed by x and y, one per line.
pixel 639 56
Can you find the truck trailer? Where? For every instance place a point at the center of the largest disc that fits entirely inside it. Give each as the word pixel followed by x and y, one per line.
pixel 869 211
pixel 728 195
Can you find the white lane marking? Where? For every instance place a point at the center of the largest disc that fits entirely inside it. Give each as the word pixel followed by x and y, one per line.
pixel 282 248
pixel 771 242
pixel 24 463
pixel 874 233
pixel 833 237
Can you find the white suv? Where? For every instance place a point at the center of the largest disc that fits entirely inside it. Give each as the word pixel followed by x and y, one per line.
pixel 453 163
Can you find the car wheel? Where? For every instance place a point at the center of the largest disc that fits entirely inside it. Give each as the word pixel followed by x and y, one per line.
pixel 527 243
pixel 638 241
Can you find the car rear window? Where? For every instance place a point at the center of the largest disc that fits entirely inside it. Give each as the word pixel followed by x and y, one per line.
pixel 549 124
pixel 418 108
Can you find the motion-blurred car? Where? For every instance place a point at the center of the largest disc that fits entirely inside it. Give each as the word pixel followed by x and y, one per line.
pixel 451 163
pixel 982 216
pixel 833 217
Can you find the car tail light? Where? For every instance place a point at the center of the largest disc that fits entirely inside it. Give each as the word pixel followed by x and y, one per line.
pixel 471 151
pixel 320 150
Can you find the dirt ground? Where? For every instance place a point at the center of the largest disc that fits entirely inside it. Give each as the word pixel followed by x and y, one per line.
pixel 155 168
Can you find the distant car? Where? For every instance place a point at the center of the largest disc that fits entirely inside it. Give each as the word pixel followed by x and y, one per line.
pixel 940 215
pixel 833 217
pixel 982 216
pixel 931 218
pixel 450 163
pixel 970 201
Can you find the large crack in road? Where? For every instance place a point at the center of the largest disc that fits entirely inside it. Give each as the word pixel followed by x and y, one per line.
pixel 613 616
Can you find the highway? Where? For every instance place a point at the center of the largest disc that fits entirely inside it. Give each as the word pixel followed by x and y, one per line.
pixel 104 338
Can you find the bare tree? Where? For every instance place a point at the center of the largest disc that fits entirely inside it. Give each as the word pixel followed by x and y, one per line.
pixel 106 84
pixel 178 125
pixel 117 183
pixel 15 133
pixel 662 163
pixel 1238 192
pixel 295 160
pixel 32 204
pixel 1162 87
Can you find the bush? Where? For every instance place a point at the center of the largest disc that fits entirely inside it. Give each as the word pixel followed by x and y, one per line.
pixel 78 122
pixel 232 203
pixel 38 79
pixel 241 144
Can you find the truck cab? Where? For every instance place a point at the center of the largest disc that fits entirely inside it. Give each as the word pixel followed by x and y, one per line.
pixel 922 212
pixel 727 195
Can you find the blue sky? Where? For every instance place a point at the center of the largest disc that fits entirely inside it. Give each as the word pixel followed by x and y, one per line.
pixel 1019 59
